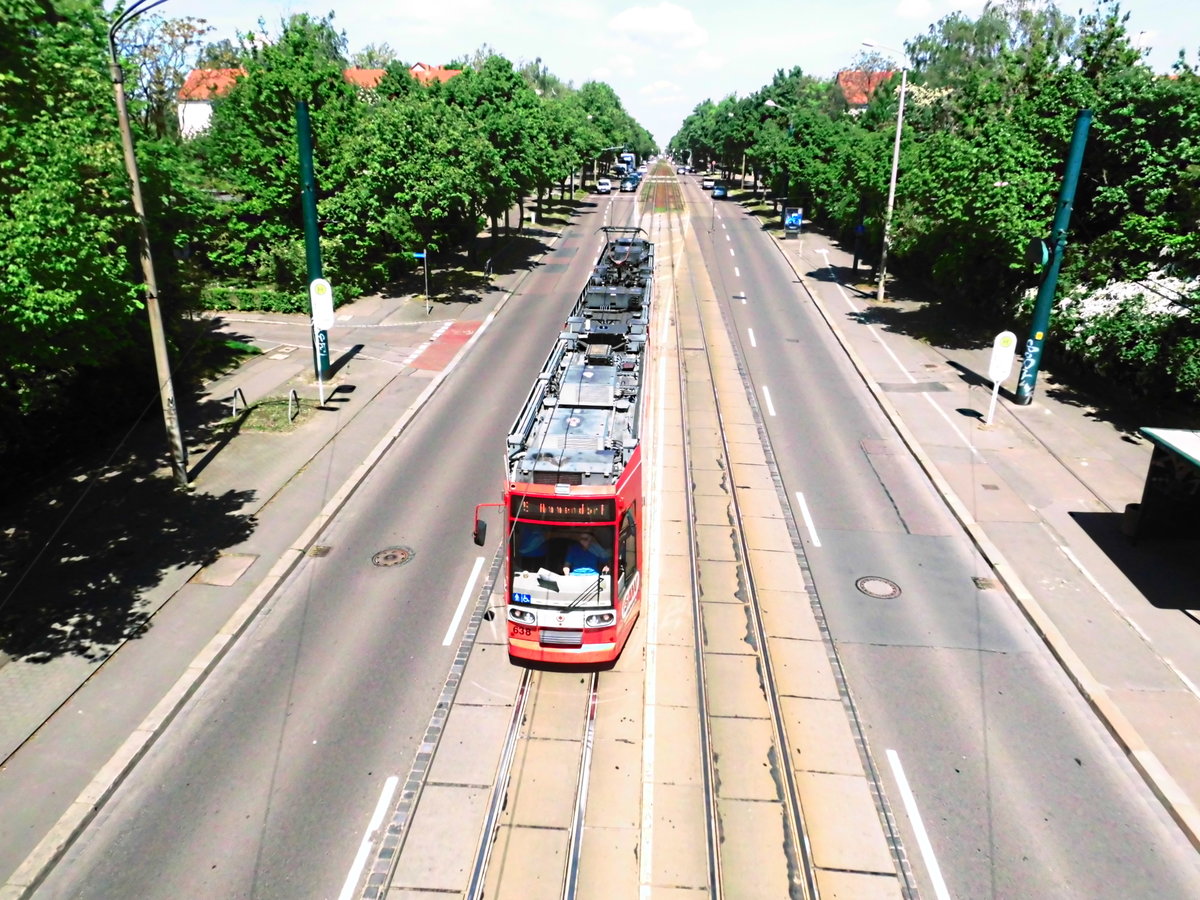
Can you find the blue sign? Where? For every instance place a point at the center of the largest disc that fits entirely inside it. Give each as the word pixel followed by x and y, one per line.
pixel 419 255
pixel 522 598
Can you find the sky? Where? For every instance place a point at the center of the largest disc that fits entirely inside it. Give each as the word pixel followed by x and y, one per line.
pixel 660 56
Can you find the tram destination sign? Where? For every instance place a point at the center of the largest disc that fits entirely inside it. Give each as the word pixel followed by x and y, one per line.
pixel 560 509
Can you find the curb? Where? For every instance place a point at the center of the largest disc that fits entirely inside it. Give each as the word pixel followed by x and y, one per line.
pixel 1180 807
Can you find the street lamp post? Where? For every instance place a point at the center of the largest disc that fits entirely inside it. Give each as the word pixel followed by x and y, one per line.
pixel 157 337
pixel 887 221
pixel 773 105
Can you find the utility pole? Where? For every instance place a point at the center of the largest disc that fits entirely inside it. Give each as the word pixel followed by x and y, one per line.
pixel 891 202
pixel 1058 240
pixel 162 364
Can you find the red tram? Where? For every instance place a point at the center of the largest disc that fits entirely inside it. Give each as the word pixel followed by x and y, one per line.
pixel 573 503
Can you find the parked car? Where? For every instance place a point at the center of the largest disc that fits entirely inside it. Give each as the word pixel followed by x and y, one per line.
pixel 707 183
pixel 720 191
pixel 628 185
pixel 604 186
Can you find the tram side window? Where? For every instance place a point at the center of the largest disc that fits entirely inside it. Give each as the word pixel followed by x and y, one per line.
pixel 627 541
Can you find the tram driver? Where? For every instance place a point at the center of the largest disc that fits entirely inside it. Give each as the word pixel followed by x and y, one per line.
pixel 585 554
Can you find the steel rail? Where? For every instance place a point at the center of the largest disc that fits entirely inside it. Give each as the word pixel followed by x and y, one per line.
pixel 487 835
pixel 708 772
pixel 575 838
pixel 802 875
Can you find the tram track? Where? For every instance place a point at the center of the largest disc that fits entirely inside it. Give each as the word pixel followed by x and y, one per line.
pixel 547 722
pixel 724 773
pixel 551 820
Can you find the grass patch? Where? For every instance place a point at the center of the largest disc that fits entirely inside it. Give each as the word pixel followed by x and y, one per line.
pixel 241 349
pixel 272 414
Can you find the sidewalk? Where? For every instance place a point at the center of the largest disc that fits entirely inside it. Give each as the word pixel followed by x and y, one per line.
pixel 237 517
pixel 101 579
pixel 1041 491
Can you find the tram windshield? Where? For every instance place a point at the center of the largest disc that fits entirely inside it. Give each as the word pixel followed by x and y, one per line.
pixel 562 565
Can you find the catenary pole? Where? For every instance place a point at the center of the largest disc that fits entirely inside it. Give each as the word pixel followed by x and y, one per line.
pixel 1058 240
pixel 312 234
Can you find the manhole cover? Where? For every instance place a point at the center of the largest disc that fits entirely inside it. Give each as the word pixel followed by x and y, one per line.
pixel 392 556
pixel 879 588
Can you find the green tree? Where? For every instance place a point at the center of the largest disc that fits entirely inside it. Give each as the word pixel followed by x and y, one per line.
pixel 374 56
pixel 497 98
pixel 160 53
pixel 250 154
pixel 410 177
pixel 67 286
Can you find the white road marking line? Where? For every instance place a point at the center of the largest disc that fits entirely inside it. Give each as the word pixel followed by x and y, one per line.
pixel 731 253
pixel 914 816
pixel 767 398
pixel 468 590
pixel 360 860
pixel 727 237
pixel 736 273
pixel 808 520
pixel 750 331
pixel 722 224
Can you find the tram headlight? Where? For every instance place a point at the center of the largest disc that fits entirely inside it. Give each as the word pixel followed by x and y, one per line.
pixel 524 616
pixel 599 620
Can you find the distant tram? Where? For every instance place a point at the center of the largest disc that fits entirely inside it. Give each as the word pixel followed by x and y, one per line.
pixel 573 504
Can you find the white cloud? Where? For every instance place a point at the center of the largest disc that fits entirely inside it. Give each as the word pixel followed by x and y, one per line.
pixel 619 66
pixel 922 10
pixel 546 11
pixel 666 26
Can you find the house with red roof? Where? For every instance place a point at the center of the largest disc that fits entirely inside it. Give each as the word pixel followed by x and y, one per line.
pixel 859 87
pixel 202 86
pixel 196 97
pixel 426 73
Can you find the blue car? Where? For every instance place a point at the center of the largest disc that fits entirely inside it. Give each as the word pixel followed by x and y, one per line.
pixel 720 191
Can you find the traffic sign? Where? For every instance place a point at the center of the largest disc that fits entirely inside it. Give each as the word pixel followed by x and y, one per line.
pixel 1003 350
pixel 419 255
pixel 320 298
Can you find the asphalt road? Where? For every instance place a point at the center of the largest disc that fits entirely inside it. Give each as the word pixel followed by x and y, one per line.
pixel 266 781
pixel 1022 792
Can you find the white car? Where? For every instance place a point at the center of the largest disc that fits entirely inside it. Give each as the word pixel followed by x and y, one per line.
pixel 604 186
pixel 707 183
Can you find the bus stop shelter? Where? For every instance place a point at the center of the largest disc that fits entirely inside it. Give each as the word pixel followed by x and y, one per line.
pixel 1170 504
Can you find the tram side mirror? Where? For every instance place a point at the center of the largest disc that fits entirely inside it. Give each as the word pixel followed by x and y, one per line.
pixel 480 532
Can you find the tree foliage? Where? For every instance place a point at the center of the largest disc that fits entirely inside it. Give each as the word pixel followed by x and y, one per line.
pixel 990 107
pixel 398 168
pixel 69 292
